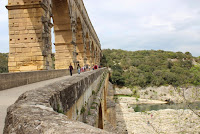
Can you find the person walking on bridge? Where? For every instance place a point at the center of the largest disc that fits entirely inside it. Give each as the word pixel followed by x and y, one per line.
pixel 70 69
pixel 79 69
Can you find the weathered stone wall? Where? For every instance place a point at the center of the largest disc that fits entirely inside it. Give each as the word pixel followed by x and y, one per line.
pixel 10 80
pixel 29 35
pixel 36 111
pixel 110 123
pixel 30 23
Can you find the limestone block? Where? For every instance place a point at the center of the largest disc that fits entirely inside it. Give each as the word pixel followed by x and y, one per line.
pixel 11 68
pixel 26 11
pixel 41 67
pixel 12 50
pixel 25 15
pixel 34 58
pixel 12 64
pixel 11 25
pixel 17 16
pixel 11 32
pixel 35 49
pixel 31 31
pixel 40 58
pixel 26 59
pixel 17 45
pixel 29 54
pixel 11 59
pixel 40 62
pixel 19 63
pixel 34 44
pixel 24 32
pixel 38 31
pixel 17 59
pixel 17 32
pixel 11 16
pixel 19 50
pixel 28 68
pixel 26 50
pixel 38 14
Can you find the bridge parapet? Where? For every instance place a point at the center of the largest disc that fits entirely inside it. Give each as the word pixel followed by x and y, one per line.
pixel 44 110
pixel 10 80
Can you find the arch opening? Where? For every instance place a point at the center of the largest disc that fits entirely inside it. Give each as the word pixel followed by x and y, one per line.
pixel 88 52
pixel 80 48
pixel 64 49
pixel 100 120
pixel 93 54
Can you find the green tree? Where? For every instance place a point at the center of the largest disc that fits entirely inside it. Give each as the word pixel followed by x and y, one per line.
pixel 3 63
pixel 151 68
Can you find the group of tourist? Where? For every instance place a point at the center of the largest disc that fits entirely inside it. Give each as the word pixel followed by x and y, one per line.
pixel 83 69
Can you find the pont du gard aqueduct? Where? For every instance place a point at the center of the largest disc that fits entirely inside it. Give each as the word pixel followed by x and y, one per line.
pixel 38 96
pixel 30 35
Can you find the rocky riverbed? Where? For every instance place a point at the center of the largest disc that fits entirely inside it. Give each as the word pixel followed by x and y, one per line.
pixel 167 121
pixel 174 94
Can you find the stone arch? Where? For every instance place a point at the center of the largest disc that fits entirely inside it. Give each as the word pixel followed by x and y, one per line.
pixel 88 49
pixel 92 54
pixel 80 43
pixel 96 55
pixel 31 50
pixel 63 34
pixel 100 120
pixel 99 56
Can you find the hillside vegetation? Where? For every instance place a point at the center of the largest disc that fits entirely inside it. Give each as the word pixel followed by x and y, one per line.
pixel 152 68
pixel 3 62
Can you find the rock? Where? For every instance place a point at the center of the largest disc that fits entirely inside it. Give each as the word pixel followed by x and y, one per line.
pixel 123 91
pixel 169 92
pixel 168 121
pixel 169 101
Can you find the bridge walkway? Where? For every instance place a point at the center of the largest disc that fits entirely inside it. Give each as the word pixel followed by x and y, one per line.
pixel 9 96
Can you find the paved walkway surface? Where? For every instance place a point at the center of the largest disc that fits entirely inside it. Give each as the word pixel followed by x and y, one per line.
pixel 9 96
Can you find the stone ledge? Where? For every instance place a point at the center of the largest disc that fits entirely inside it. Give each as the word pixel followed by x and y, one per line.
pixel 33 114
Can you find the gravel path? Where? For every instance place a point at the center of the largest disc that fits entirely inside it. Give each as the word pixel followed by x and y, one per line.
pixel 9 96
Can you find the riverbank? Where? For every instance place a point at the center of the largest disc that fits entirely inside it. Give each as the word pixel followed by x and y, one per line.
pixel 168 121
pixel 164 93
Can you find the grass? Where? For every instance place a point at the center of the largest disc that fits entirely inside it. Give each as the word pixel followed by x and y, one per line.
pixel 92 107
pixel 89 113
pixel 82 110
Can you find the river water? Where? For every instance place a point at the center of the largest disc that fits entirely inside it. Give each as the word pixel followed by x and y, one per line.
pixel 156 107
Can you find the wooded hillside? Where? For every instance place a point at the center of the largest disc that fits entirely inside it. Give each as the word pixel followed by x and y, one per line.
pixel 152 68
pixel 3 62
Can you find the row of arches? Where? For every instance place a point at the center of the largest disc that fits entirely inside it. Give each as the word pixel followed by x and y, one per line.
pixel 30 35
pixel 74 42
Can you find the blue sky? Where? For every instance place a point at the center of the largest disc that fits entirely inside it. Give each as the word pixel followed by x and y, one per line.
pixel 172 25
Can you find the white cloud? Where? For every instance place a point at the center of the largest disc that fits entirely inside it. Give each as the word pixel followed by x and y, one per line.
pixel 3 11
pixel 147 24
pixel 138 24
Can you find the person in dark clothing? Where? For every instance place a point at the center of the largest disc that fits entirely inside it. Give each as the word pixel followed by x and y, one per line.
pixel 70 69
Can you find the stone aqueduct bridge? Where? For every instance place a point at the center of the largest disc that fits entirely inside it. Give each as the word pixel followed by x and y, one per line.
pixel 78 104
pixel 30 23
